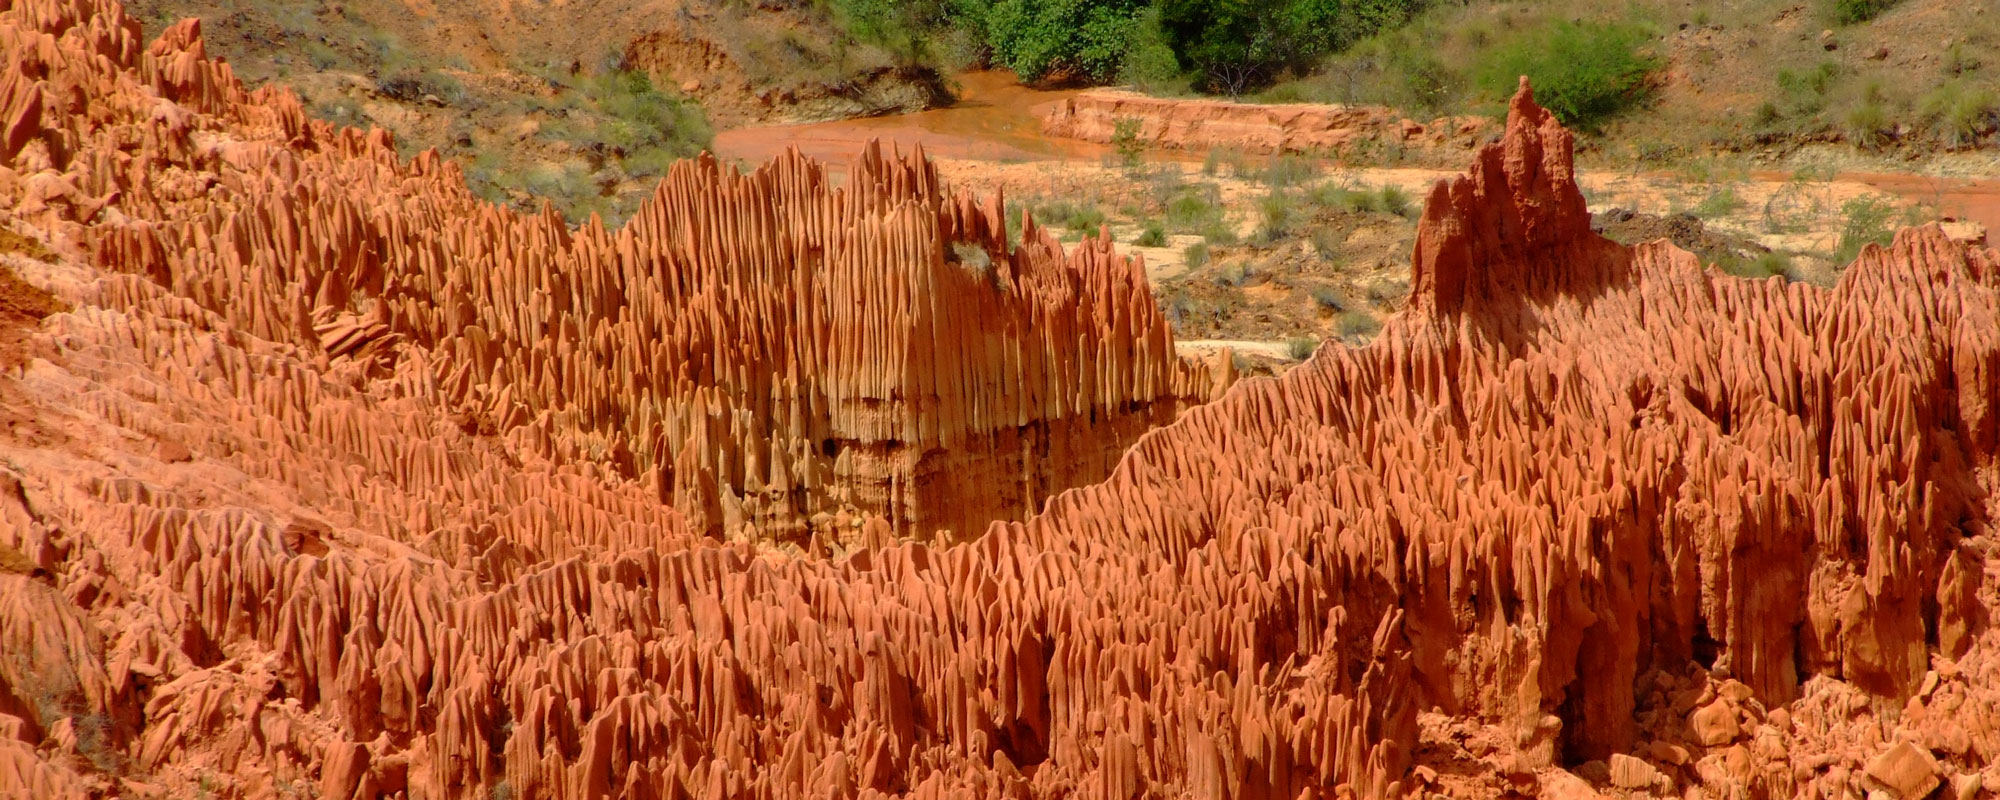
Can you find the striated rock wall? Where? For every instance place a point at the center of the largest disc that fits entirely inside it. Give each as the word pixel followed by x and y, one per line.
pixel 781 358
pixel 1202 124
pixel 1579 505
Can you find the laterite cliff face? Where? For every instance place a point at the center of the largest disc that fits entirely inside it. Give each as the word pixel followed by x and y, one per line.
pixel 333 482
pixel 1208 124
pixel 779 358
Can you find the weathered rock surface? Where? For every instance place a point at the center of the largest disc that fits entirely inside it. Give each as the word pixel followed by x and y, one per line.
pixel 319 488
pixel 764 348
pixel 1202 124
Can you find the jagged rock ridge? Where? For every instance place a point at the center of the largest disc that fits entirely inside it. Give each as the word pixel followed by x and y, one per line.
pixel 1579 502
pixel 770 351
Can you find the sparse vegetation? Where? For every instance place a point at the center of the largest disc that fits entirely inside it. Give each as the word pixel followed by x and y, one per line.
pixel 1195 256
pixel 1300 348
pixel 972 256
pixel 1287 170
pixel 1197 209
pixel 1125 140
pixel 1849 12
pixel 1151 234
pixel 1720 203
pixel 1387 198
pixel 1958 112
pixel 1865 221
pixel 1280 216
pixel 1358 324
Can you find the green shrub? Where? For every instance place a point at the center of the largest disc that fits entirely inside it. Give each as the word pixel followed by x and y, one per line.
pixel 1582 72
pixel 1864 221
pixel 1194 209
pixel 1958 62
pixel 1301 348
pixel 1764 265
pixel 1330 298
pixel 320 55
pixel 1195 255
pixel 1235 275
pixel 1342 198
pixel 1237 46
pixel 1150 65
pixel 1424 82
pixel 1280 215
pixel 1866 121
pixel 1767 115
pixel 1151 234
pixel 1287 170
pixel 1394 200
pixel 1125 140
pixel 1805 93
pixel 1077 219
pixel 1958 112
pixel 1085 39
pixel 1849 12
pixel 1773 262
pixel 1358 324
pixel 341 110
pixel 1218 233
pixel 1719 203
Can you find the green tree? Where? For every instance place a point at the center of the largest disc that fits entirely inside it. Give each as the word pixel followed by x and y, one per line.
pixel 1582 73
pixel 1083 39
pixel 1233 46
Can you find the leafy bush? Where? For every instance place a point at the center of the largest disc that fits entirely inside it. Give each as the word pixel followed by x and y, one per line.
pixel 1864 221
pixel 1394 200
pixel 1194 209
pixel 1287 170
pixel 1195 255
pixel 1151 234
pixel 1330 298
pixel 1359 323
pixel 1805 93
pixel 1866 121
pixel 1301 348
pixel 1720 203
pixel 1343 198
pixel 1235 46
pixel 1235 275
pixel 1150 65
pixel 1079 219
pixel 1849 12
pixel 1958 112
pixel 1084 39
pixel 1280 215
pixel 1582 72
pixel 1125 140
pixel 1774 263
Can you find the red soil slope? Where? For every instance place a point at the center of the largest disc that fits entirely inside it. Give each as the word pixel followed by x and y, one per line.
pixel 1584 518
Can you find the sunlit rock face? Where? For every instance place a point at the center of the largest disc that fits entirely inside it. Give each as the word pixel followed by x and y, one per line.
pixel 334 480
